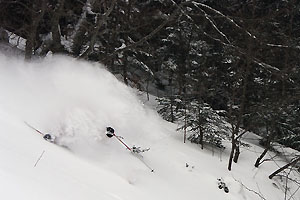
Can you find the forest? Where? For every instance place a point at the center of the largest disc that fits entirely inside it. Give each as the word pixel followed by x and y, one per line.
pixel 207 61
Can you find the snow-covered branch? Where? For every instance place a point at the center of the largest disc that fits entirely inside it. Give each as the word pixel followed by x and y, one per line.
pixel 100 22
pixel 197 4
pixel 213 24
pixel 147 37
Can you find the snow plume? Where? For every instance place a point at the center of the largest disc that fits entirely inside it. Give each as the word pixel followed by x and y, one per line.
pixel 76 101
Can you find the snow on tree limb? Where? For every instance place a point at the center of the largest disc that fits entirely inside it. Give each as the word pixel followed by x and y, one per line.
pixel 255 60
pixel 147 37
pixel 265 65
pixel 198 27
pixel 86 7
pixel 99 23
pixel 221 14
pixel 197 4
pixel 213 24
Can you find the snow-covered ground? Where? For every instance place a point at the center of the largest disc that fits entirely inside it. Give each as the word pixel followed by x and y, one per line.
pixel 75 101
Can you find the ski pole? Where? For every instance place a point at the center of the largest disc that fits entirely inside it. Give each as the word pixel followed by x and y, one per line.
pixel 137 156
pixel 46 136
pixel 122 142
pixel 33 128
pixel 152 170
pixel 112 133
pixel 39 158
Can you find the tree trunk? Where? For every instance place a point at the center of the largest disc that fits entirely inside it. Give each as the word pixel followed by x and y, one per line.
pixel 268 146
pixel 237 153
pixel 185 121
pixel 200 128
pixel 56 41
pixel 284 167
pixel 32 29
pixel 81 28
pixel 96 32
pixel 240 114
pixel 3 35
pixel 171 110
pixel 29 45
pixel 257 163
pixel 201 137
pixel 233 144
pixel 147 90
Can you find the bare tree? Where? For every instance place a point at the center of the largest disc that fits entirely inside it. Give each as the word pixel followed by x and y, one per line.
pixel 37 12
pixel 56 14
pixel 3 35
pixel 101 20
pixel 292 163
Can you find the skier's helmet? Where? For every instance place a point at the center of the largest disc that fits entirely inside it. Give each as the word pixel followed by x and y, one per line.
pixel 47 136
pixel 110 129
pixel 110 132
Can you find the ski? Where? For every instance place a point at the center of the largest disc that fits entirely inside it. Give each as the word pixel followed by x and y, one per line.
pixel 140 157
pixel 134 150
pixel 46 136
pixel 135 153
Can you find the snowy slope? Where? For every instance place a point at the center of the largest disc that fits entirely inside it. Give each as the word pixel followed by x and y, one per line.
pixel 75 101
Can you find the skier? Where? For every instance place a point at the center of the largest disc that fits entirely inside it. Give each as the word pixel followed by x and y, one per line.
pixel 110 132
pixel 46 136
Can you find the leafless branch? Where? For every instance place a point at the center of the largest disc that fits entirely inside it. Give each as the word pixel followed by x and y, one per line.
pixel 229 19
pixel 293 194
pixel 238 49
pixel 147 37
pixel 293 162
pixel 251 190
pixel 214 25
pixel 221 14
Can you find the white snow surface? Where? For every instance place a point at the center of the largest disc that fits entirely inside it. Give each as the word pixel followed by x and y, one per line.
pixel 75 101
